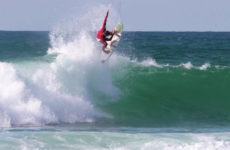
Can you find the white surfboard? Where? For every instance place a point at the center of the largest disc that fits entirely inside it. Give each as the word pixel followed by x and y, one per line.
pixel 116 38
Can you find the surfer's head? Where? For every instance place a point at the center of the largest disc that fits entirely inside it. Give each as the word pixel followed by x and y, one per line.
pixel 107 33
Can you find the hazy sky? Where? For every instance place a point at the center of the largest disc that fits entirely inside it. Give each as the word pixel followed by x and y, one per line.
pixel 141 15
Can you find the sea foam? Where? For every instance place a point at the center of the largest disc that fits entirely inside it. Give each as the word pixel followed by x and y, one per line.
pixel 61 90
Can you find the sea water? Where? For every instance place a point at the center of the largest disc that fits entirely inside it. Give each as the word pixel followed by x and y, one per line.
pixel 159 90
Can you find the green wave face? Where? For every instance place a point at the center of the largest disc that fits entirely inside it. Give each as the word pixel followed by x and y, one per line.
pixel 171 96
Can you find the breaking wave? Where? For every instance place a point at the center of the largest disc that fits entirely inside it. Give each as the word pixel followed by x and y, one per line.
pixel 71 85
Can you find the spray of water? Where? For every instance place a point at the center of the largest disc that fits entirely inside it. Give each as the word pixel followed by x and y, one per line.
pixel 38 93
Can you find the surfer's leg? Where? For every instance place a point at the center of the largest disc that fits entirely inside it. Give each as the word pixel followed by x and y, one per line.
pixel 105 50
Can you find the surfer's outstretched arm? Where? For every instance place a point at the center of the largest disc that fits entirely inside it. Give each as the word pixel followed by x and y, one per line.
pixel 105 20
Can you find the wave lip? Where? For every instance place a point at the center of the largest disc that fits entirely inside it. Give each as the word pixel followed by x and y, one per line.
pixel 187 65
pixel 205 66
pixel 150 62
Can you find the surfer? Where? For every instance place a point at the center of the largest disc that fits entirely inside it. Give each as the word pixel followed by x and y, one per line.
pixel 103 35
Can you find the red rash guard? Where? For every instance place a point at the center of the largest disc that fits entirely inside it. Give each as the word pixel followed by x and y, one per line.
pixel 100 34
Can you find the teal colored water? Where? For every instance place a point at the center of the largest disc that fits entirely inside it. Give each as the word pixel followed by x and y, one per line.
pixel 71 139
pixel 170 88
pixel 23 44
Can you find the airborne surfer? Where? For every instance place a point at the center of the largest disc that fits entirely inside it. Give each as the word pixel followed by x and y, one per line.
pixel 103 35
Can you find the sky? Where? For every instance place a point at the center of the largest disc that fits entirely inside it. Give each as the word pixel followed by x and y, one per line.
pixel 136 15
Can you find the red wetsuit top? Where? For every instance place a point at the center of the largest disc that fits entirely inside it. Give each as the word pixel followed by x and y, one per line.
pixel 100 34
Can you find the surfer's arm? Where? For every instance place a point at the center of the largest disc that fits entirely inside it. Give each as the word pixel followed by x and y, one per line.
pixel 105 20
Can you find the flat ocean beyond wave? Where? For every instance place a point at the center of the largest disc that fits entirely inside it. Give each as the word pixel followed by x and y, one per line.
pixel 160 90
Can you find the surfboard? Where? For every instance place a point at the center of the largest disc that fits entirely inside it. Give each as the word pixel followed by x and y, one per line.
pixel 116 38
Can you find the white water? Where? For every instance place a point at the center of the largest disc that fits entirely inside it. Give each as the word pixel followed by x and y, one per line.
pixel 115 141
pixel 39 93
pixel 52 93
pixel 149 62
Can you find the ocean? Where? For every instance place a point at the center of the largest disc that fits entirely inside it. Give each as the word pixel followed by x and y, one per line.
pixel 158 91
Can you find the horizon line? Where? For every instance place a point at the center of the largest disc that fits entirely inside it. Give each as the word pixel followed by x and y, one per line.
pixel 124 31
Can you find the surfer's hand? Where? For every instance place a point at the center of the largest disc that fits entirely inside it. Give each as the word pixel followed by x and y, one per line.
pixel 114 31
